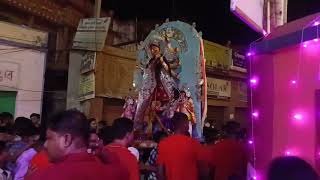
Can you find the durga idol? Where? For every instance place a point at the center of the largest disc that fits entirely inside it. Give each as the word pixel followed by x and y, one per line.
pixel 158 84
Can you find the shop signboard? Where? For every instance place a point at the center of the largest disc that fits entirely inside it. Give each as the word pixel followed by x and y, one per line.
pixel 217 56
pixel 87 86
pixel 88 61
pixel 239 62
pixel 219 88
pixel 91 34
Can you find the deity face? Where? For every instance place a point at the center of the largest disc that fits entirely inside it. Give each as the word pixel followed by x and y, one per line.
pixel 183 94
pixel 130 101
pixel 155 50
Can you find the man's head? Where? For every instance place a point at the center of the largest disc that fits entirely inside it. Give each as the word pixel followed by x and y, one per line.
pixel 180 123
pixel 7 118
pixel 122 129
pixel 93 123
pixel 291 168
pixel 106 135
pixel 68 132
pixel 24 128
pixel 35 118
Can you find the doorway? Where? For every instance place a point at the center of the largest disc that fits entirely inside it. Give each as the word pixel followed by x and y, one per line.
pixel 8 101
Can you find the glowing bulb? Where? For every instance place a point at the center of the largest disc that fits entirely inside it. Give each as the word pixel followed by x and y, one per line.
pixel 249 54
pixel 316 23
pixel 293 82
pixel 288 153
pixel 305 45
pixel 250 142
pixel 316 40
pixel 297 117
pixel 253 81
pixel 254 177
pixel 255 114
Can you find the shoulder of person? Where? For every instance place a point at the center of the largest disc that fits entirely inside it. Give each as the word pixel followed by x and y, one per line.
pixel 47 174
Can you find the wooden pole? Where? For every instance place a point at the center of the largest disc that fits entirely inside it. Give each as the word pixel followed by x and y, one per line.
pixel 96 104
pixel 97 8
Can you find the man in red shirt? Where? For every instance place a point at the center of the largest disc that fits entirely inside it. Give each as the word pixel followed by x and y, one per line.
pixel 123 136
pixel 179 155
pixel 67 142
pixel 228 158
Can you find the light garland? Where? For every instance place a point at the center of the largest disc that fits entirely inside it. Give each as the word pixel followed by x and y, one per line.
pixel 297 116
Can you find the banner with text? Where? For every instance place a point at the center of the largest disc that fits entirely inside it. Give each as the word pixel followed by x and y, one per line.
pixel 217 56
pixel 219 88
pixel 88 61
pixel 87 86
pixel 9 75
pixel 239 62
pixel 91 34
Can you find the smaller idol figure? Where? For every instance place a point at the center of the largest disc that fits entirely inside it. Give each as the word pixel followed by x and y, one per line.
pixel 129 108
pixel 186 106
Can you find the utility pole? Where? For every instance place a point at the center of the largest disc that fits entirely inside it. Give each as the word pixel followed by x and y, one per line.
pixel 97 8
pixel 276 13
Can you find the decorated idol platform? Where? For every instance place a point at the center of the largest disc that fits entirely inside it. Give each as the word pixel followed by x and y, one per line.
pixel 170 78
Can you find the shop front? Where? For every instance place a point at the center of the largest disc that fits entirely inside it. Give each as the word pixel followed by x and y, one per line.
pixel 22 67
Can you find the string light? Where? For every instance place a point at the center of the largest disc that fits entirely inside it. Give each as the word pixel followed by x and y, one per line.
pixel 253 81
pixel 255 114
pixel 298 116
pixel 288 153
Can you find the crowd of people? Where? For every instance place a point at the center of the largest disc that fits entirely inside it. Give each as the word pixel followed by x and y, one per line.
pixel 77 148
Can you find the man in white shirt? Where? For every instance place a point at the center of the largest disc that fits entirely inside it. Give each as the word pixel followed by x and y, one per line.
pixel 24 128
pixel 23 163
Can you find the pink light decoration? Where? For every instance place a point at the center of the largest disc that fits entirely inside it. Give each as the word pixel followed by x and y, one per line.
pixel 288 153
pixel 305 45
pixel 255 114
pixel 298 117
pixel 316 40
pixel 316 23
pixel 249 54
pixel 254 177
pixel 253 81
pixel 250 142
pixel 265 33
pixel 293 82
